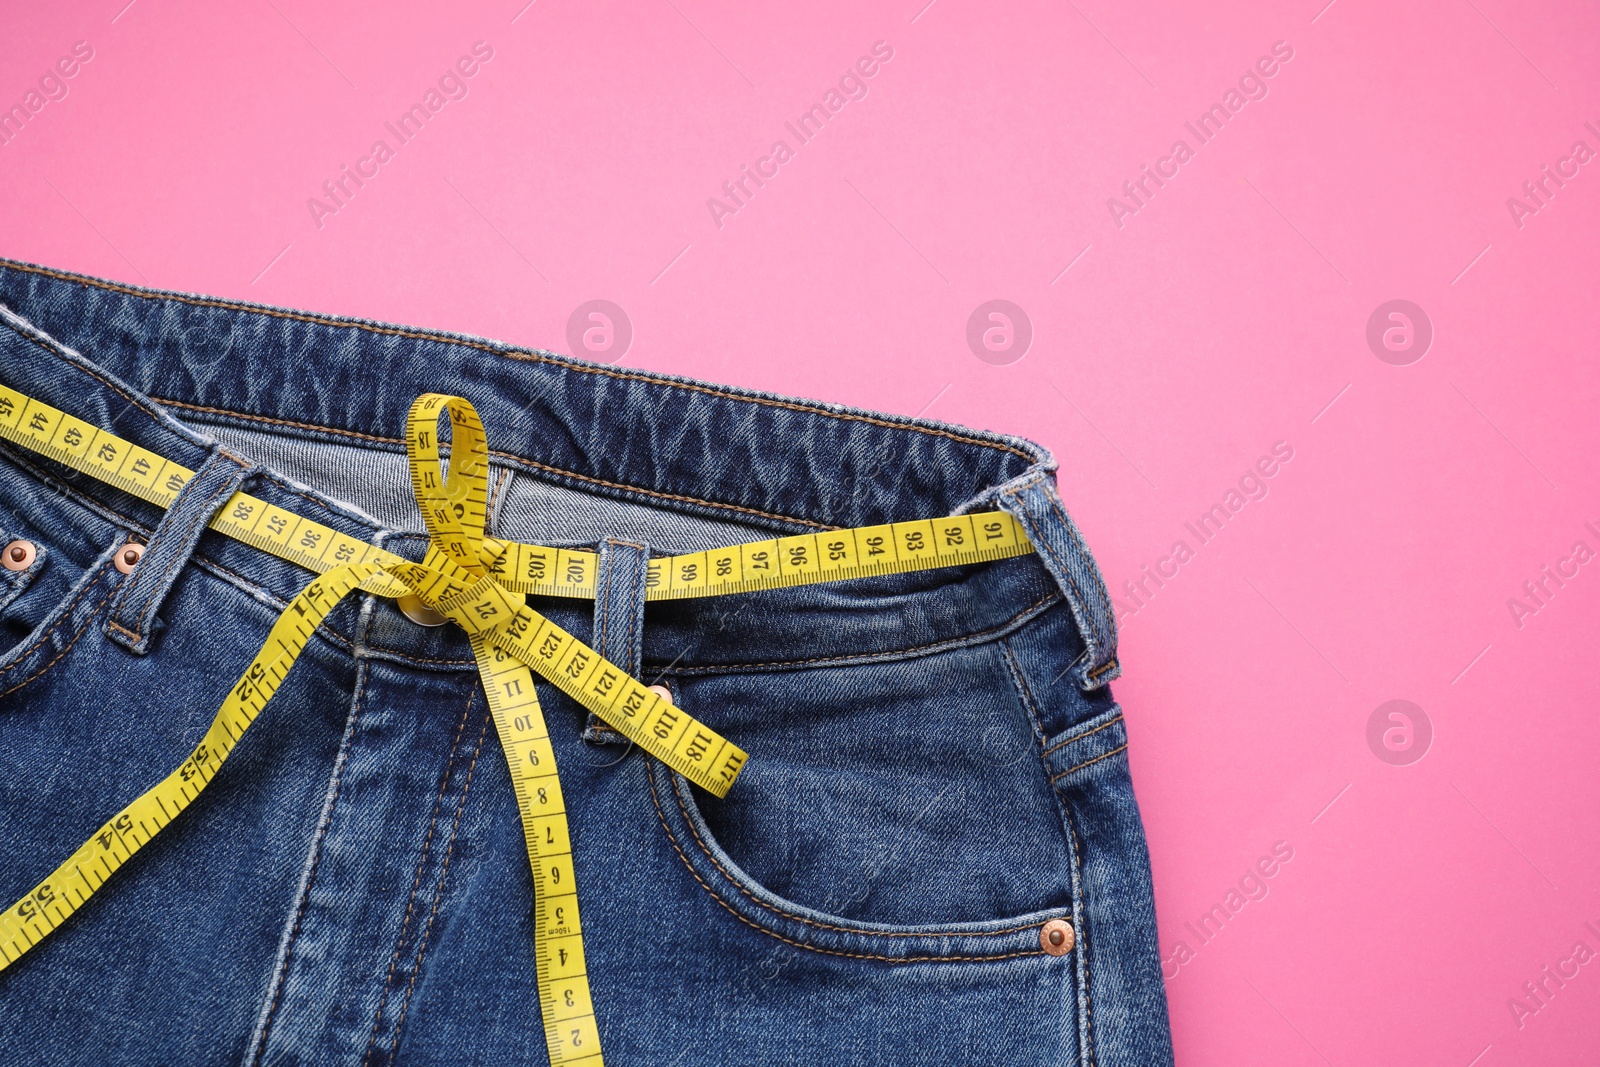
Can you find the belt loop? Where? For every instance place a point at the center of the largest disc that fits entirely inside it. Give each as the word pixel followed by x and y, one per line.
pixel 1034 502
pixel 619 591
pixel 132 621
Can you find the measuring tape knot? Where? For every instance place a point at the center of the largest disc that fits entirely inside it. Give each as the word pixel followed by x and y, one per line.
pixel 466 576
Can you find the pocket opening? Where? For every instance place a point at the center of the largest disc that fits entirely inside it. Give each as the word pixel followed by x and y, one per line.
pixel 754 905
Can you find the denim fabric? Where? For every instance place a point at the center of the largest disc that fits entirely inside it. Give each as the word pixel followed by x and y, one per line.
pixel 937 765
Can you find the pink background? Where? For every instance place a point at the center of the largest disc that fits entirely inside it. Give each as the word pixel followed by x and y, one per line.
pixel 1168 353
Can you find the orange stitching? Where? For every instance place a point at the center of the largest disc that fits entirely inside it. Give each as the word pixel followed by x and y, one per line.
pixel 602 609
pixel 1083 945
pixel 1075 846
pixel 357 699
pixel 75 637
pixel 1086 733
pixel 1066 572
pixel 812 922
pixel 416 881
pixel 1089 614
pixel 510 457
pixel 156 415
pixel 200 513
pixel 528 357
pixel 1104 755
pixel 673 840
pixel 18 657
pixel 444 869
pixel 1020 616
pixel 111 516
pixel 1035 716
pixel 1028 484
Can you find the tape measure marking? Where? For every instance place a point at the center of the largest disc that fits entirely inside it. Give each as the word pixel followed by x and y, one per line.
pixel 53 900
pixel 571 1033
pixel 802 559
pixel 455 513
pixel 470 578
pixel 826 556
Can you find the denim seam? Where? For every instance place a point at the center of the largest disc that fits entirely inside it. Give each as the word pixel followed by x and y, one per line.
pixel 1086 733
pixel 65 615
pixel 438 895
pixel 157 416
pixel 247 586
pixel 1083 948
pixel 1104 755
pixel 507 457
pixel 732 880
pixel 603 610
pixel 672 838
pixel 635 652
pixel 132 635
pixel 261 596
pixel 311 498
pixel 995 633
pixel 416 880
pixel 265 1028
pixel 1066 572
pixel 324 631
pixel 1028 483
pixel 522 356
pixel 60 351
pixel 491 507
pixel 602 620
pixel 633 614
pixel 200 513
pixel 1108 665
pixel 14 583
pixel 1025 692
pixel 251 588
pixel 391 656
pixel 117 518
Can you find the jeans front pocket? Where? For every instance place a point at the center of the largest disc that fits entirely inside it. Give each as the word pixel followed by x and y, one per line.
pixel 819 931
pixel 46 608
pixel 890 811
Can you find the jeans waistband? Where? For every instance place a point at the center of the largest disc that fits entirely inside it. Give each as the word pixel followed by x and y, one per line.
pixel 173 371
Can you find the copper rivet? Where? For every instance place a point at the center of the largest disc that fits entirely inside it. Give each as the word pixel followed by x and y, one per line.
pixel 663 692
pixel 412 607
pixel 1055 937
pixel 128 557
pixel 19 555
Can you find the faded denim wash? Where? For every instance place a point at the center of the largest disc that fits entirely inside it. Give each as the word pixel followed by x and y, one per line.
pixel 937 765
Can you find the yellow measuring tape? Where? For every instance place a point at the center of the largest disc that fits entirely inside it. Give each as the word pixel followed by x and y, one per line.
pixel 478 582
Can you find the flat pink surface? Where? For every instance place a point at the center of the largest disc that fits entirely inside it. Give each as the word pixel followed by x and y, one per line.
pixel 1175 340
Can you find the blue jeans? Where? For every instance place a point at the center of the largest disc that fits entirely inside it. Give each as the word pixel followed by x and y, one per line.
pixel 937 766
